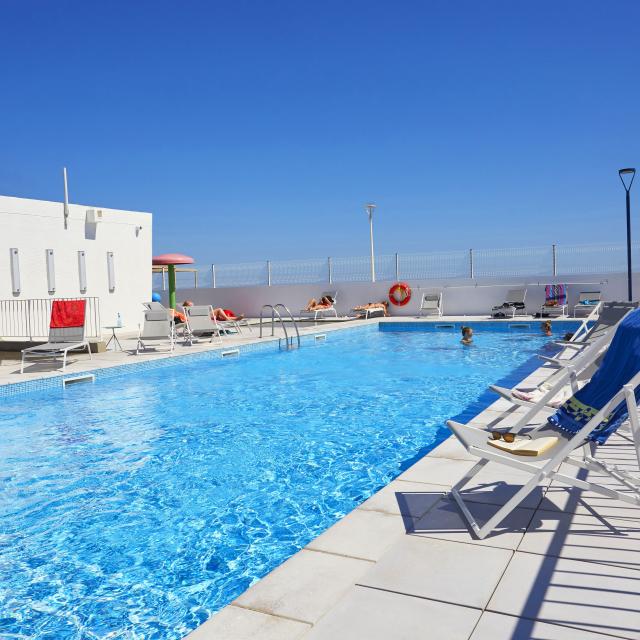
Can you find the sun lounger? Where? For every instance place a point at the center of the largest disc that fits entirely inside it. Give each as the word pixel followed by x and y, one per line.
pixel 158 326
pixel 548 439
pixel 512 306
pixel 369 313
pixel 575 373
pixel 588 303
pixel 201 322
pixel 555 302
pixel 431 304
pixel 66 333
pixel 611 314
pixel 327 311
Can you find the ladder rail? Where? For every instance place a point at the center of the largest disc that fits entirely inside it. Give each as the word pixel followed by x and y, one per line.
pixel 293 321
pixel 275 312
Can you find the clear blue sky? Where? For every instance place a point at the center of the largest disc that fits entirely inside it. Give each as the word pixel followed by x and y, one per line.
pixel 258 129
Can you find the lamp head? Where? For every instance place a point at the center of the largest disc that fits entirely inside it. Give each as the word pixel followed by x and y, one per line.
pixel 627 175
pixel 370 206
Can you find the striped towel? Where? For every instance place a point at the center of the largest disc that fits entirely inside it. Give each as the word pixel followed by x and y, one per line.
pixel 555 295
pixel 620 364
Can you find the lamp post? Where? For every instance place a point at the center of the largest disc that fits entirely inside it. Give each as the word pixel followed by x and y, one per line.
pixel 626 177
pixel 370 207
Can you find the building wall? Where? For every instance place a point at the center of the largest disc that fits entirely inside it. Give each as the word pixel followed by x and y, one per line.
pixel 460 297
pixel 33 226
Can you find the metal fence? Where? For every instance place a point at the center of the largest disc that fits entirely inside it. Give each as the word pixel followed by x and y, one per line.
pixel 30 318
pixel 550 261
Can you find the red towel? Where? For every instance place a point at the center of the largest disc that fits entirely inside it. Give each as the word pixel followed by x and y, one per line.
pixel 67 313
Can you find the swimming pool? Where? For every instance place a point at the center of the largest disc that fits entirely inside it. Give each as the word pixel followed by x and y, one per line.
pixel 137 506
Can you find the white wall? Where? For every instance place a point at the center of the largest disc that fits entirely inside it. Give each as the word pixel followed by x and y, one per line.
pixel 33 226
pixel 460 297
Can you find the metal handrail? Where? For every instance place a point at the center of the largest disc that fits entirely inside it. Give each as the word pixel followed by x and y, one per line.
pixel 274 313
pixel 295 324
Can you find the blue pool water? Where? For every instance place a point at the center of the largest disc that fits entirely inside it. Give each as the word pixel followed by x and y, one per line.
pixel 137 506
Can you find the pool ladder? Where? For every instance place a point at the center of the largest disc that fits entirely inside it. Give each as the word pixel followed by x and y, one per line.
pixel 276 313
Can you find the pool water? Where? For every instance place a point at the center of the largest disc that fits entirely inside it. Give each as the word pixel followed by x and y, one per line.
pixel 137 506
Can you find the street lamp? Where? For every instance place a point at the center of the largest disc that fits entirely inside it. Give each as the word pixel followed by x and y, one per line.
pixel 626 177
pixel 370 207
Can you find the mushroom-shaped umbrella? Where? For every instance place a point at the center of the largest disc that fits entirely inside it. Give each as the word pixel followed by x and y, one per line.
pixel 170 260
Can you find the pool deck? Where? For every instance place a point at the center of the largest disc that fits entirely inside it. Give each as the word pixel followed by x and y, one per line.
pixel 403 565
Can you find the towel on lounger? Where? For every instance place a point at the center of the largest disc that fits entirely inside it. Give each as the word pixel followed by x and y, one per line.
pixel 555 295
pixel 67 313
pixel 620 364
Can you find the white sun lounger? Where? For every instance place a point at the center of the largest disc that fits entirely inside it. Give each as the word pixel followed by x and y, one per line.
pixel 611 314
pixel 512 306
pixel 431 304
pixel 200 323
pixel 573 372
pixel 542 455
pixel 588 302
pixel 319 313
pixel 58 345
pixel 158 326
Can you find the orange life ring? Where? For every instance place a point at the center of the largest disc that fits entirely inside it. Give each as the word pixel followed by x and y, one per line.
pixel 400 294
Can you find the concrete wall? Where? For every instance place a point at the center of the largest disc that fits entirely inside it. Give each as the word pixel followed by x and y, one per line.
pixel 460 297
pixel 33 226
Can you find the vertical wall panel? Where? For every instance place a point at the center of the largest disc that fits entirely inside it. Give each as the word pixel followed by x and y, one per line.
pixel 15 270
pixel 51 272
pixel 82 271
pixel 111 272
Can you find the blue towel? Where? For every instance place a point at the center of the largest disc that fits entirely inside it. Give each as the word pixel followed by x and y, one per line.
pixel 620 364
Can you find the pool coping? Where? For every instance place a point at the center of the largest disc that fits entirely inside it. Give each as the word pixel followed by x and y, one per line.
pixel 102 369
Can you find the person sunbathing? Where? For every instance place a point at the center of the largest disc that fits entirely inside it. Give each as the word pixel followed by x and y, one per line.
pixel 223 315
pixel 384 305
pixel 226 315
pixel 316 305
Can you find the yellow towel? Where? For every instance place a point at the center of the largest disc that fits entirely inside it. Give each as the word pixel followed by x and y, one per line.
pixel 526 447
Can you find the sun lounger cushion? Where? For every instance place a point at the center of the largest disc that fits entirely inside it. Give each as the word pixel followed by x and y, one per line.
pixel 525 446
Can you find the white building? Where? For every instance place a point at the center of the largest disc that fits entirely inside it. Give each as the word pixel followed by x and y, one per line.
pixel 95 252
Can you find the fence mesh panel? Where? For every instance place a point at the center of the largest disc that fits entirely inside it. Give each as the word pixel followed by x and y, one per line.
pixel 487 263
pixel 529 261
pixel 300 271
pixel 245 274
pixel 574 260
pixel 425 266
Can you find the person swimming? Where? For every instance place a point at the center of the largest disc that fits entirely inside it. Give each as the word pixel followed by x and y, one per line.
pixel 467 335
pixel 546 328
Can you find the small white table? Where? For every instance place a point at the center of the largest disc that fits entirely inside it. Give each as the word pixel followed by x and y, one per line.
pixel 114 338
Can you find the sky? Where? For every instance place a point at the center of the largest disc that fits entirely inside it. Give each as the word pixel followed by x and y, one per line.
pixel 259 129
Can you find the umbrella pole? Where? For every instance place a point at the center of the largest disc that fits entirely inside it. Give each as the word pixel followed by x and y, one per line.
pixel 172 285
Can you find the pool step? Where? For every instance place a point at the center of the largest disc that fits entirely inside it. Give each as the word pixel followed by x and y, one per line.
pixel 87 377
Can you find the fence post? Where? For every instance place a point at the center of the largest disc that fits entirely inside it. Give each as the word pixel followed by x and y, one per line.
pixel 213 275
pixel 268 273
pixel 471 271
pixel 330 270
pixel 554 259
pixel 397 268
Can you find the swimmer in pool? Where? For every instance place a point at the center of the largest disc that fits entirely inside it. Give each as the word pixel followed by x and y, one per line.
pixel 467 335
pixel 546 328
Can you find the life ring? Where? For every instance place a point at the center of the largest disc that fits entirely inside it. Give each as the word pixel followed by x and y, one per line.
pixel 400 294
